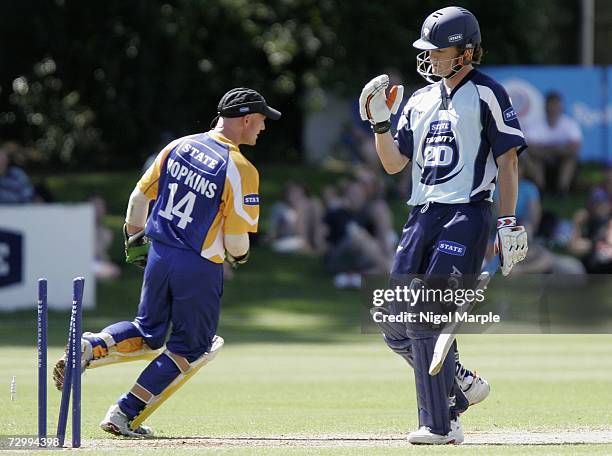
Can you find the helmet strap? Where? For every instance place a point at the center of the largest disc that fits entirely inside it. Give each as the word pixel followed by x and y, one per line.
pixel 463 59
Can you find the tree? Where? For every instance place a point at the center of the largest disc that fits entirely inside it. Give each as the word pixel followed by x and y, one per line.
pixel 97 83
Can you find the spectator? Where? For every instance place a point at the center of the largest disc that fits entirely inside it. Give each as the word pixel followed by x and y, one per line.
pixel 591 229
pixel 539 260
pixel 42 193
pixel 600 261
pixel 528 203
pixel 606 186
pixel 358 231
pixel 15 187
pixel 104 268
pixel 377 211
pixel 296 223
pixel 554 144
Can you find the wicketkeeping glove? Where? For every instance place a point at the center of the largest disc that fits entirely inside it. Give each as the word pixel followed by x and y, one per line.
pixel 237 261
pixel 376 107
pixel 511 243
pixel 136 247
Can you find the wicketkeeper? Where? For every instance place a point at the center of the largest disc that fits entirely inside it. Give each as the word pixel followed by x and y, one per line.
pixel 206 202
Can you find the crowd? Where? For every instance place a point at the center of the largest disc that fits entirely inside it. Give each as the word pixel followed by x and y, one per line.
pixel 17 188
pixel 350 224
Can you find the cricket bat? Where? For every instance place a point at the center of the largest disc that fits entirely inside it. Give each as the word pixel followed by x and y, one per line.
pixel 449 333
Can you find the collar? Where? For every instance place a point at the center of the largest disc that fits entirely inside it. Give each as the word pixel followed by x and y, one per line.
pixel 221 138
pixel 465 79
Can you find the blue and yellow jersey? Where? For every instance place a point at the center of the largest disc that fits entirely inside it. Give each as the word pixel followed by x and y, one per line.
pixel 204 188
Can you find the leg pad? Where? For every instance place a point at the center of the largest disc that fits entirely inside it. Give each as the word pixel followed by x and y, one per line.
pixel 187 370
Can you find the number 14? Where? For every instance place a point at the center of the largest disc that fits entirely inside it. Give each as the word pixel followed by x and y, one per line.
pixel 182 209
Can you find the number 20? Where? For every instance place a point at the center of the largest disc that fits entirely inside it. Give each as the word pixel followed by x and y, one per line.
pixel 182 209
pixel 435 156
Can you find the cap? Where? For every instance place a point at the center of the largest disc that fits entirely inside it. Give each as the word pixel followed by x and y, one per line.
pixel 241 101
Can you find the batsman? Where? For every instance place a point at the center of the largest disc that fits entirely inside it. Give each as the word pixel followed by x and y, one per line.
pixel 206 197
pixel 459 137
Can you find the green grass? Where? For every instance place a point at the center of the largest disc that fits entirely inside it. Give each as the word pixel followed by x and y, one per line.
pixel 352 387
pixel 295 362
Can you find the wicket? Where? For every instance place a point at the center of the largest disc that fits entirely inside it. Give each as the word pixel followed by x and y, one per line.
pixel 72 370
pixel 42 360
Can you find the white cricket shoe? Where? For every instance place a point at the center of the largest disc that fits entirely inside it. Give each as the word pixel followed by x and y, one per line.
pixel 116 422
pixel 60 366
pixel 474 387
pixel 424 436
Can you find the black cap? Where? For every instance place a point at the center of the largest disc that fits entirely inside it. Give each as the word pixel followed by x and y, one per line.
pixel 241 101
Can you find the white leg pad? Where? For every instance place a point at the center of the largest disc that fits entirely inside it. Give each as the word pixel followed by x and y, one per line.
pixel 187 371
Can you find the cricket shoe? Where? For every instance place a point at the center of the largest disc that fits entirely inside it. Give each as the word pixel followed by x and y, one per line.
pixel 474 387
pixel 424 436
pixel 116 422
pixel 60 365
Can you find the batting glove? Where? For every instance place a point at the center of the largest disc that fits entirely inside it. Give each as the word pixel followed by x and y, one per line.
pixel 136 247
pixel 511 243
pixel 376 107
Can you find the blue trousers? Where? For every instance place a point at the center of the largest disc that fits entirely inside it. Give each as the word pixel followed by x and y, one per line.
pixel 183 289
pixel 437 242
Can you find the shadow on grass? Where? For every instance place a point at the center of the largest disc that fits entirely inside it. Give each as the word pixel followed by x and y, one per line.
pixel 274 298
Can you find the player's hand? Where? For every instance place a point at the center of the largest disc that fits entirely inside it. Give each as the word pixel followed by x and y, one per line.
pixel 236 261
pixel 136 247
pixel 511 243
pixel 374 104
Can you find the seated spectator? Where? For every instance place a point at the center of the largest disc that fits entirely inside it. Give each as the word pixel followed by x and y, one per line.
pixel 15 187
pixel 554 144
pixel 359 227
pixel 377 210
pixel 539 259
pixel 42 193
pixel 528 202
pixel 600 261
pixel 606 186
pixel 296 223
pixel 104 268
pixel 590 229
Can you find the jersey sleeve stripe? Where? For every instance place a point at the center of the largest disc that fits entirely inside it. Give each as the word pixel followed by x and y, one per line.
pixel 487 95
pixel 234 179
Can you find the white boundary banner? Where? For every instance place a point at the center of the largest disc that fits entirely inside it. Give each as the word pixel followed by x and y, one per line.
pixel 54 241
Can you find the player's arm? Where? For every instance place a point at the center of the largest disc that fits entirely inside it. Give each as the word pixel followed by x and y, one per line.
pixel 377 108
pixel 503 132
pixel 388 153
pixel 241 209
pixel 137 211
pixel 507 177
pixel 511 241
pixel 237 245
pixel 135 242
